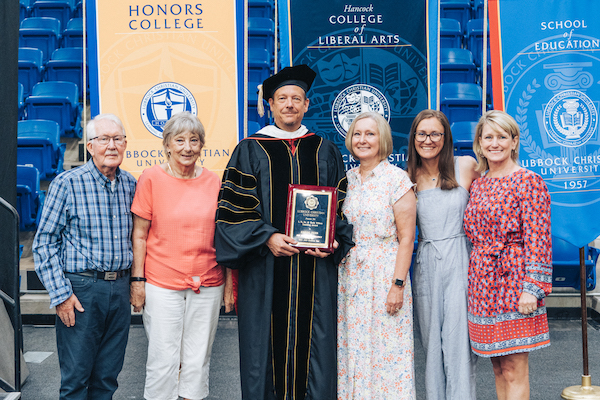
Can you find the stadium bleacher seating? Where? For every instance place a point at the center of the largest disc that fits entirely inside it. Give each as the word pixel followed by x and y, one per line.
pixel 566 265
pixel 78 10
pixel 459 10
pixel 66 65
pixel 38 144
pixel 460 101
pixel 72 36
pixel 477 9
pixel 42 33
pixel 463 133
pixel 258 65
pixel 451 35
pixel 474 40
pixel 261 8
pixel 30 198
pixel 62 10
pixel 456 65
pixel 31 68
pixel 23 9
pixel 253 127
pixel 261 34
pixel 21 99
pixel 56 101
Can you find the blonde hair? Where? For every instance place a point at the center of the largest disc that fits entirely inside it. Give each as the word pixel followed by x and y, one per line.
pixel 497 120
pixel 386 144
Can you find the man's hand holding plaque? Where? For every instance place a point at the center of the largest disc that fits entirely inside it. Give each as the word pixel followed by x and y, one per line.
pixel 311 217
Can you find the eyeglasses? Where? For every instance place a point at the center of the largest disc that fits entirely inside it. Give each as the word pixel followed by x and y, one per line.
pixel 105 140
pixel 434 136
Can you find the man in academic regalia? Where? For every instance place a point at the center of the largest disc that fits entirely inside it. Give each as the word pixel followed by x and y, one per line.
pixel 286 298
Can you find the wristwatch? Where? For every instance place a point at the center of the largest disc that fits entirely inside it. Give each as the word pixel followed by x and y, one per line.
pixel 398 282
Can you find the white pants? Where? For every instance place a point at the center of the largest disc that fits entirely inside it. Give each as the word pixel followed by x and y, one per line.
pixel 180 326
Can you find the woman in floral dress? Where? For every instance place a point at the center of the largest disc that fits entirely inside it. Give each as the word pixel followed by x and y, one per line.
pixel 375 329
pixel 510 270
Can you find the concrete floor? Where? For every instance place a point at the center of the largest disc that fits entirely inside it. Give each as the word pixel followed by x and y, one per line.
pixel 551 369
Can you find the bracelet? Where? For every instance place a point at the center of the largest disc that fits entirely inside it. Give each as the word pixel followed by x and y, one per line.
pixel 137 279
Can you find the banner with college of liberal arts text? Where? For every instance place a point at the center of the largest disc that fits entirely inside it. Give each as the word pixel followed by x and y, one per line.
pixel 368 57
pixel 149 61
pixel 546 74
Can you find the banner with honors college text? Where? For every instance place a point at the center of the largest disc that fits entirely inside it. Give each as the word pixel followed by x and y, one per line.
pixel 546 74
pixel 150 60
pixel 369 56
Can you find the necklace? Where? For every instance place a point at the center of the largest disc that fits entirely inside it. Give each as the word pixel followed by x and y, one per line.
pixel 182 177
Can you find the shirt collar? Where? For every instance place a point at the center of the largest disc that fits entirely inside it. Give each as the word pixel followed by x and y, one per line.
pixel 273 131
pixel 99 176
pixel 377 171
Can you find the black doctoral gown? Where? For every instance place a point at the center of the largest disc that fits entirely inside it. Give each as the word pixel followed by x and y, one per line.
pixel 286 305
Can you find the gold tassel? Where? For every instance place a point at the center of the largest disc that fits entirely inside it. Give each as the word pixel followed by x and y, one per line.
pixel 260 106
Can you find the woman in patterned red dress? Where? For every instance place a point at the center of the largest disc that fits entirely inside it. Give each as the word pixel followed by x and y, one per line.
pixel 510 269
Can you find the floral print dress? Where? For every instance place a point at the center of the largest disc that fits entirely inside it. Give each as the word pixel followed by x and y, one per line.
pixel 375 350
pixel 508 222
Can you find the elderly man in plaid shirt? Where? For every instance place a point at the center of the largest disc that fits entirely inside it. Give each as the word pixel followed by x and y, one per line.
pixel 82 253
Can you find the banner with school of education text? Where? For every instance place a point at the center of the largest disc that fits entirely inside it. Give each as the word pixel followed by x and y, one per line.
pixel 546 74
pixel 149 61
pixel 369 56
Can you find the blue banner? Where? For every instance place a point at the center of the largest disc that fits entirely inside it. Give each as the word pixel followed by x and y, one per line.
pixel 546 57
pixel 368 57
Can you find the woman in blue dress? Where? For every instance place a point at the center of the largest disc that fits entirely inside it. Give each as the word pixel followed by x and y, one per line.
pixel 442 261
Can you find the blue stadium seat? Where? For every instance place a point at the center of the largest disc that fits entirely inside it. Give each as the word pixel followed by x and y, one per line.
pixel 59 9
pixel 73 34
pixel 31 68
pixel 78 10
pixel 456 65
pixel 475 40
pixel 253 127
pixel 460 101
pixel 21 98
pixel 261 8
pixel 38 144
pixel 24 9
pixel 259 67
pixel 459 10
pixel 56 101
pixel 477 9
pixel 450 33
pixel 261 34
pixel 42 33
pixel 566 267
pixel 30 198
pixel 463 133
pixel 67 65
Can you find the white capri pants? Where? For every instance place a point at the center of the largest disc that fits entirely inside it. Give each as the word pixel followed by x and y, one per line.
pixel 180 326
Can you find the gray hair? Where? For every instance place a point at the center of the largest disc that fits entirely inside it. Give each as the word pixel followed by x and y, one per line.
pixel 180 123
pixel 91 125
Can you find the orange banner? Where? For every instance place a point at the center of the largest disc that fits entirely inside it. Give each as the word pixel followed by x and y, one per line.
pixel 154 60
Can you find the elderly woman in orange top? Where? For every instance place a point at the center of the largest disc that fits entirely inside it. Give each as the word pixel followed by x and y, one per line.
pixel 175 277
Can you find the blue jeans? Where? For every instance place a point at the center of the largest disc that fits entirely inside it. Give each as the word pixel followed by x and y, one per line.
pixel 91 353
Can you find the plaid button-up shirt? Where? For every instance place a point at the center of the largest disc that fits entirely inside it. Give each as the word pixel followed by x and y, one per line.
pixel 85 225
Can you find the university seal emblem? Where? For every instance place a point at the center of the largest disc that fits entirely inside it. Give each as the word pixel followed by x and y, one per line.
pixel 163 101
pixel 570 118
pixel 354 100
